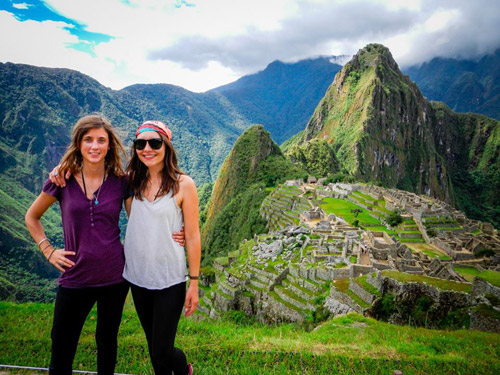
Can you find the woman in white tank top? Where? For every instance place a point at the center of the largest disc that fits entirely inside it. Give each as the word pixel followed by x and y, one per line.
pixel 164 199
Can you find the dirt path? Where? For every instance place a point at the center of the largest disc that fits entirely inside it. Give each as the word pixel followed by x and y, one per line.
pixel 365 259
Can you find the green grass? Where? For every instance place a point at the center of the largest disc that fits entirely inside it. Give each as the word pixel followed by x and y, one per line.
pixel 223 261
pixel 368 287
pixel 493 277
pixel 365 196
pixel 438 283
pixel 433 254
pixel 381 228
pixel 414 240
pixel 343 286
pixel 350 344
pixel 342 208
pixel 429 250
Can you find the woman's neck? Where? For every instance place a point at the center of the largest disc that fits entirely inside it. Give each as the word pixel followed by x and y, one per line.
pixel 155 174
pixel 93 170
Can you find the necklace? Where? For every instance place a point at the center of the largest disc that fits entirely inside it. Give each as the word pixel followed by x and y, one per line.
pixel 94 196
pixel 158 192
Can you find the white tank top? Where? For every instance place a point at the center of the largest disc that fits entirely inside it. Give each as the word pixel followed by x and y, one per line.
pixel 153 260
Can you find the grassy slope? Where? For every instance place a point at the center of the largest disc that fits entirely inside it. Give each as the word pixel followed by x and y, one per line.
pixel 342 208
pixel 469 273
pixel 345 345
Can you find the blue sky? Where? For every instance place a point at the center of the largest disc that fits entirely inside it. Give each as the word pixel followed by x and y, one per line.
pixel 39 11
pixel 201 44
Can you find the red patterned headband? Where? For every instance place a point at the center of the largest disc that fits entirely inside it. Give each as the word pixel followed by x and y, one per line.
pixel 155 126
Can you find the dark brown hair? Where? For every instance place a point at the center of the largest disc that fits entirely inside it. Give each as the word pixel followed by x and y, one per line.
pixel 139 174
pixel 72 159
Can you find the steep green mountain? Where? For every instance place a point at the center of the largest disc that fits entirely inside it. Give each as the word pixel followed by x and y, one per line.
pixel 464 85
pixel 283 96
pixel 254 164
pixel 381 129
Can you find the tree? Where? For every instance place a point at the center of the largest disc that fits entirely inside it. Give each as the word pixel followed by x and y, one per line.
pixel 356 211
pixel 394 219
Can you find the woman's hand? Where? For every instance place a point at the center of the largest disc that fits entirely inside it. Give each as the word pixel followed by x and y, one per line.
pixel 192 298
pixel 58 259
pixel 179 237
pixel 57 178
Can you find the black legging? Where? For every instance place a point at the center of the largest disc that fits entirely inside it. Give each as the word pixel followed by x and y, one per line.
pixel 159 312
pixel 71 309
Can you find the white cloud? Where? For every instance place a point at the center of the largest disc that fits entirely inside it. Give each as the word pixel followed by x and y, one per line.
pixel 214 42
pixel 20 5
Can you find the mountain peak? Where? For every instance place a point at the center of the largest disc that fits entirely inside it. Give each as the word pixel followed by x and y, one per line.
pixel 372 113
pixel 254 163
pixel 374 55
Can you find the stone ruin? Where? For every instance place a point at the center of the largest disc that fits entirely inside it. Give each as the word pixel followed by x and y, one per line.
pixel 288 269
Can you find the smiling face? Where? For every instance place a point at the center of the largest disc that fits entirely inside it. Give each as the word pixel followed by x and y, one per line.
pixel 150 157
pixel 94 146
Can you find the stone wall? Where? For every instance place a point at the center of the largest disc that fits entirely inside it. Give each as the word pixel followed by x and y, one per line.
pixel 345 300
pixel 361 292
pixel 482 287
pixel 273 311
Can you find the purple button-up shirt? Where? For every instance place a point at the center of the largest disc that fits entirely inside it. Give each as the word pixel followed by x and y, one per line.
pixel 91 230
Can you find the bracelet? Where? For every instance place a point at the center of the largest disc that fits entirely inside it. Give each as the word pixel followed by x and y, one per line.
pixel 42 241
pixel 52 252
pixel 193 277
pixel 46 247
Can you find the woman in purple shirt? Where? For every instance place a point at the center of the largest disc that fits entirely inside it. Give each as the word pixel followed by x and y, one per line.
pixel 92 260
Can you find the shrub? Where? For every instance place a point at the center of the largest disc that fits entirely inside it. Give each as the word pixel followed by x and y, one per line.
pixel 484 253
pixel 394 219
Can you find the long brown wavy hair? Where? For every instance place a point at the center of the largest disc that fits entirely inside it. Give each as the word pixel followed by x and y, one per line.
pixel 139 173
pixel 72 159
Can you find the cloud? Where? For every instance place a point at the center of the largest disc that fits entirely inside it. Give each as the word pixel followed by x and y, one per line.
pixel 199 44
pixel 20 5
pixel 458 28
pixel 316 28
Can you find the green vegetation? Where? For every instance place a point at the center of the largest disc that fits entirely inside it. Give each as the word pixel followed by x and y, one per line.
pixel 361 280
pixel 429 250
pixel 316 157
pixel 438 283
pixel 31 277
pixel 255 162
pixel 343 208
pixel 493 277
pixel 344 345
pixel 484 253
pixel 394 219
pixel 343 286
pixel 488 311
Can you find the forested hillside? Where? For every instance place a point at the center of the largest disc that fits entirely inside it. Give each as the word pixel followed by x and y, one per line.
pixel 464 85
pixel 283 96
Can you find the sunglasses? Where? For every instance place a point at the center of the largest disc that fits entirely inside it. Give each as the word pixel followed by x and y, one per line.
pixel 154 143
